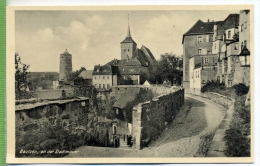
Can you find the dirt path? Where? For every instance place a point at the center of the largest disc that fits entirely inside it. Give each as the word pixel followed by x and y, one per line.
pixel 182 138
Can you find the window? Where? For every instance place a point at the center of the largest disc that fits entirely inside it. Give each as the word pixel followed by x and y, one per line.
pixel 242 45
pixel 198 74
pixel 124 50
pixel 96 85
pixel 128 50
pixel 236 46
pixel 199 39
pixel 117 112
pixel 108 86
pixel 210 38
pixel 209 52
pixel 229 34
pixel 95 77
pixel 103 77
pixel 104 86
pixel 206 60
pixel 245 43
pixel 199 51
pixel 215 46
pixel 99 85
pixel 107 77
pixel 242 27
pixel 245 25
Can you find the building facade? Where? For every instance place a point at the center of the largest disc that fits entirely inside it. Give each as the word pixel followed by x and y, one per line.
pixel 198 40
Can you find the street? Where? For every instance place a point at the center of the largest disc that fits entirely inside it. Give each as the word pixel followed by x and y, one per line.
pixel 182 138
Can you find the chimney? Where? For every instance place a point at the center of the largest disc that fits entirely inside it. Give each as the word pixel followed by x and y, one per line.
pixel 208 20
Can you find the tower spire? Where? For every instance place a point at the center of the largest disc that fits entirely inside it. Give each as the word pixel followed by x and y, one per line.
pixel 128 31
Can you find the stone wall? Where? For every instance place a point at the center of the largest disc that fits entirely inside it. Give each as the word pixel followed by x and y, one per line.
pixel 53 93
pixel 58 125
pixel 151 118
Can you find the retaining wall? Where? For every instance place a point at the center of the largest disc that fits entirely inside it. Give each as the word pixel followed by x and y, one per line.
pixel 58 125
pixel 151 118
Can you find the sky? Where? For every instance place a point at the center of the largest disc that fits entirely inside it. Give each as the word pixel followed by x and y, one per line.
pixel 93 37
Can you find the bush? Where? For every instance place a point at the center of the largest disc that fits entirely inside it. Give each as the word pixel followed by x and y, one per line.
pixel 241 89
pixel 213 86
pixel 237 144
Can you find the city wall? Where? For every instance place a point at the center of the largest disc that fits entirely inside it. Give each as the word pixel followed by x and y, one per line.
pixel 58 125
pixel 151 118
pixel 53 93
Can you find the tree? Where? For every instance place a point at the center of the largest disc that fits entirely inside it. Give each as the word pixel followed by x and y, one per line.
pixel 169 68
pixel 21 84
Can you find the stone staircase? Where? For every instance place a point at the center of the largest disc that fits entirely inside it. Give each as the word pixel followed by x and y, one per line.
pixel 123 145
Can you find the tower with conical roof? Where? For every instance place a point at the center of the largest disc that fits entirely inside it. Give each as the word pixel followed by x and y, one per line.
pixel 128 45
pixel 65 66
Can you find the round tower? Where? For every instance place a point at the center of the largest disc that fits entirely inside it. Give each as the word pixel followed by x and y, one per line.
pixel 65 66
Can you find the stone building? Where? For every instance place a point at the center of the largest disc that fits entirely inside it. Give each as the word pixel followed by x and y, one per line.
pixel 227 36
pixel 198 40
pixel 203 68
pixel 242 61
pixel 135 64
pixel 65 66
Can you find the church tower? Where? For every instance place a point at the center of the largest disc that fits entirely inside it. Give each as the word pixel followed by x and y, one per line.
pixel 128 46
pixel 65 66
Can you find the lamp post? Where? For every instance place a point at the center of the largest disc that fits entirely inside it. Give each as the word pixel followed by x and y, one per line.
pixel 244 57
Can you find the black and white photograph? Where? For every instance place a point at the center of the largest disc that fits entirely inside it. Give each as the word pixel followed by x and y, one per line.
pixel 125 84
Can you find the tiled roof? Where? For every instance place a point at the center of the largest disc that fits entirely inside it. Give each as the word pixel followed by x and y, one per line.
pixel 86 74
pixel 126 97
pixel 139 54
pixel 129 70
pixel 104 70
pixel 230 22
pixel 201 27
pixel 130 62
pixel 148 51
pixel 128 40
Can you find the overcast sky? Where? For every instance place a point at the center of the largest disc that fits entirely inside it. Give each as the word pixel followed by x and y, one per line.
pixel 93 37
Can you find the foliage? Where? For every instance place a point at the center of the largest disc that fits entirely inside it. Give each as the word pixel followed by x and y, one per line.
pixel 82 88
pixel 241 89
pixel 237 137
pixel 237 144
pixel 213 86
pixel 169 68
pixel 21 84
pixel 126 81
pixel 218 87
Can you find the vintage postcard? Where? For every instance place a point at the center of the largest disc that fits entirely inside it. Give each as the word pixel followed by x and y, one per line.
pixel 130 84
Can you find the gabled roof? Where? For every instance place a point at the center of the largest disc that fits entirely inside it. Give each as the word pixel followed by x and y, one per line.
pixel 139 54
pixel 104 70
pixel 201 27
pixel 128 40
pixel 148 51
pixel 230 22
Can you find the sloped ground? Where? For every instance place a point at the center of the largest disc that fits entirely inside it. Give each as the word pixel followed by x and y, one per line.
pixel 182 138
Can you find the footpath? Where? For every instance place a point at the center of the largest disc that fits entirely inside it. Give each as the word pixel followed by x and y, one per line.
pixel 218 146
